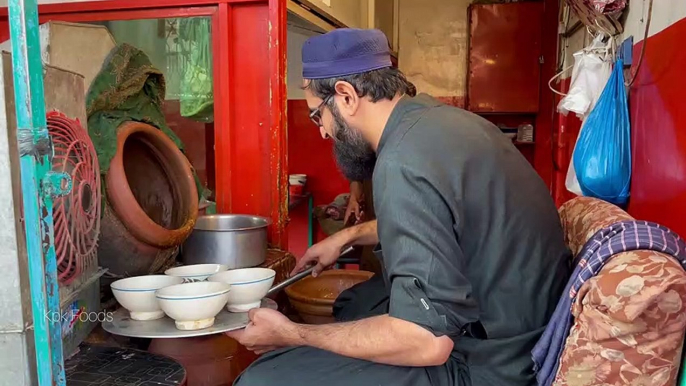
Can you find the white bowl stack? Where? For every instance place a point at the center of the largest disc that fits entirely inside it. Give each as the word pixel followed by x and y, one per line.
pixel 297 179
pixel 196 272
pixel 248 286
pixel 137 294
pixel 193 306
pixel 186 295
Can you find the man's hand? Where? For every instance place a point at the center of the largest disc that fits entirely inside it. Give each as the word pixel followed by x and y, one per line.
pixel 268 330
pixel 354 207
pixel 324 254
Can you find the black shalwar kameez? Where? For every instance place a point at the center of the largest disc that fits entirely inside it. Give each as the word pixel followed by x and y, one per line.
pixel 472 249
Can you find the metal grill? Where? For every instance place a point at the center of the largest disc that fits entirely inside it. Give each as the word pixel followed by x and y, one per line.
pixel 76 215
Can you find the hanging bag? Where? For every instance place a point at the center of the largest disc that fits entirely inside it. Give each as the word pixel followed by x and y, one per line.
pixel 602 156
pixel 592 69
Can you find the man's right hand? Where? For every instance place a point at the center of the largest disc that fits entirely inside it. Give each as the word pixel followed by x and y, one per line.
pixel 324 254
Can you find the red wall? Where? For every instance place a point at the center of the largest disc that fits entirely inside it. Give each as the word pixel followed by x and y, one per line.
pixel 309 153
pixel 658 118
pixel 658 123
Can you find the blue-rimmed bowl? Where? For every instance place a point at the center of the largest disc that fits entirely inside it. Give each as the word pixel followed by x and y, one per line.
pixel 193 306
pixel 196 272
pixel 248 286
pixel 137 294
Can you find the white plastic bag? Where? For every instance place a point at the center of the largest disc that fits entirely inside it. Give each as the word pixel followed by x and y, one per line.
pixel 571 183
pixel 592 69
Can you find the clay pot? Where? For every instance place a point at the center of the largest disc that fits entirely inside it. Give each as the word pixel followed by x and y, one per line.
pixel 152 202
pixel 212 360
pixel 313 297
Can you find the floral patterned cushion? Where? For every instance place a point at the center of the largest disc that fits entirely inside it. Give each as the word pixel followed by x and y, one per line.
pixel 629 319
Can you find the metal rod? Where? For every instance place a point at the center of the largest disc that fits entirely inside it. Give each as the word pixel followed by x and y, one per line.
pixel 290 280
pixel 35 184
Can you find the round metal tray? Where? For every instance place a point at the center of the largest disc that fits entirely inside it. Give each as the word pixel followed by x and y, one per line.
pixel 122 324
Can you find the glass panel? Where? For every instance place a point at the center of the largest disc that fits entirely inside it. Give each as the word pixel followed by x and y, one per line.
pixel 181 49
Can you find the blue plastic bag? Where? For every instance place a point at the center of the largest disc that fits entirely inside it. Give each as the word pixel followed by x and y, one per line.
pixel 602 157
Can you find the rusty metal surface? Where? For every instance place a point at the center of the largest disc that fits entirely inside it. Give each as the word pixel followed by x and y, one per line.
pixel 38 190
pixel 504 57
pixel 17 353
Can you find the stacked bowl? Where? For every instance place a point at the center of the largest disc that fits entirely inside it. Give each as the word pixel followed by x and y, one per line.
pixel 193 295
pixel 296 184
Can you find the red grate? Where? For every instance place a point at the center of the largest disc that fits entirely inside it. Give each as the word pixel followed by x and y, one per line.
pixel 76 215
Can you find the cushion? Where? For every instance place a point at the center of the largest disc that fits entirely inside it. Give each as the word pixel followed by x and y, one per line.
pixel 629 319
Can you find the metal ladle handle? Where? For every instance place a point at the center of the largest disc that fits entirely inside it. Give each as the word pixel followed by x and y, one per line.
pixel 301 275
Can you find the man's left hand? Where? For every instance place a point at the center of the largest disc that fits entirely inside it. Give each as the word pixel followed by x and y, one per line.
pixel 268 330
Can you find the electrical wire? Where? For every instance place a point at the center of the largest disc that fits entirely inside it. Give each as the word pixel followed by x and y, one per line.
pixel 645 43
pixel 550 82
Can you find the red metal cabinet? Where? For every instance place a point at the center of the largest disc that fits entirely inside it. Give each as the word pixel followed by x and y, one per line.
pixel 504 57
pixel 249 64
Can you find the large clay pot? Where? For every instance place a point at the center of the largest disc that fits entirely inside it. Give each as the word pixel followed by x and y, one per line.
pixel 212 360
pixel 152 202
pixel 313 297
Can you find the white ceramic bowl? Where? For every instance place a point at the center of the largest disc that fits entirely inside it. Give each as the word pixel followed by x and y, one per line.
pixel 297 179
pixel 193 306
pixel 196 272
pixel 248 286
pixel 137 294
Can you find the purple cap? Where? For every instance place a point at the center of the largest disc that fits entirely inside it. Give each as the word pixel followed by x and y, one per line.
pixel 345 51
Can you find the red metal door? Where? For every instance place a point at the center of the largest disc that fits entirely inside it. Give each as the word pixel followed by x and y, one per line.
pixel 504 57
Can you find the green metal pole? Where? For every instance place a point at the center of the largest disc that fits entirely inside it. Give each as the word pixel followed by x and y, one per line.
pixel 310 221
pixel 39 185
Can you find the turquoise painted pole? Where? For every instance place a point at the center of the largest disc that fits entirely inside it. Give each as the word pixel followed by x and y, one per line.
pixel 39 185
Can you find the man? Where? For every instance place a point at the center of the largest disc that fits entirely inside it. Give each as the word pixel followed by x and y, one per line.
pixel 473 251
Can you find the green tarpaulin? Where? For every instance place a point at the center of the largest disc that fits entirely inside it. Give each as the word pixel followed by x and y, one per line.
pixel 128 88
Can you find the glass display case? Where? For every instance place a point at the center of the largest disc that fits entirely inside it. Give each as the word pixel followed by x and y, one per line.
pixel 224 63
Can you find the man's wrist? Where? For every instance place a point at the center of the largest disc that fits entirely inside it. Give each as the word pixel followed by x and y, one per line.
pixel 345 237
pixel 296 335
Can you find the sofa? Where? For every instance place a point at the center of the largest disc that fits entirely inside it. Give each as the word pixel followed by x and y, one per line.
pixel 629 320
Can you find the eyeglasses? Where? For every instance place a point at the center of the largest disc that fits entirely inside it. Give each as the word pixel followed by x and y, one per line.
pixel 316 115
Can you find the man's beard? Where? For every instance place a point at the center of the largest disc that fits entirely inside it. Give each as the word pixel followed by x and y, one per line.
pixel 354 156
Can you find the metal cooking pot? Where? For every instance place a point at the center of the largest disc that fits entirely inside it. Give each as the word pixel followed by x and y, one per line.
pixel 239 241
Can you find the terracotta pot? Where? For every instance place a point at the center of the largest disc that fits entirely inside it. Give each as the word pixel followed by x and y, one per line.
pixel 124 255
pixel 313 298
pixel 212 360
pixel 152 200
